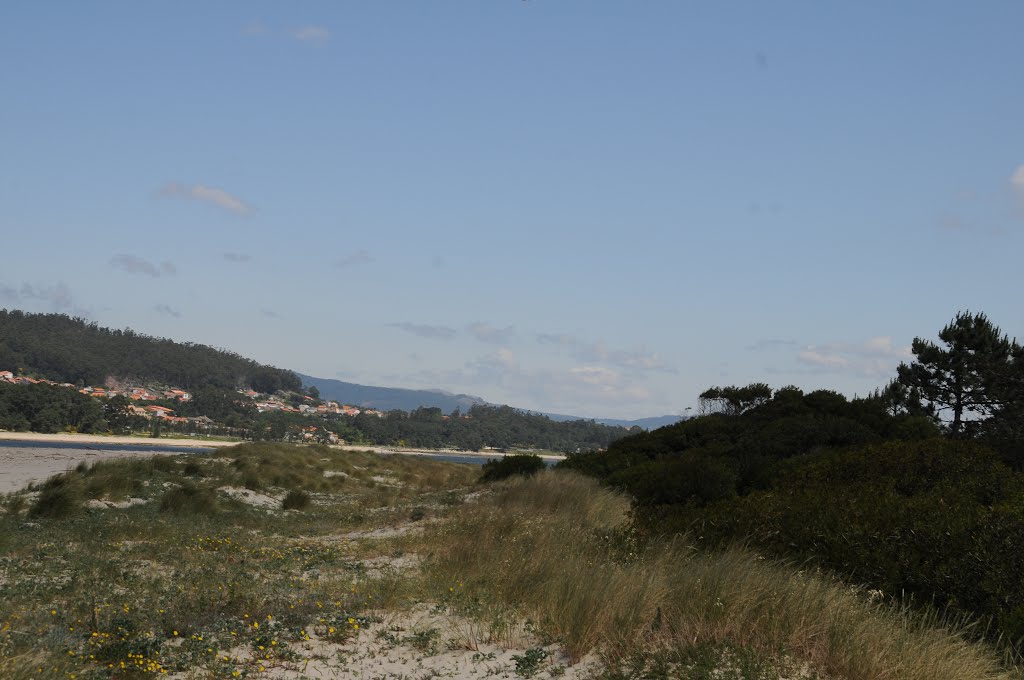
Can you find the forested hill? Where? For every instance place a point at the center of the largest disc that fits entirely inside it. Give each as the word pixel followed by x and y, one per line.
pixel 66 349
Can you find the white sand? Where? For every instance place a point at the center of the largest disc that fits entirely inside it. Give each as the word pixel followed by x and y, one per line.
pixel 65 438
pixel 20 466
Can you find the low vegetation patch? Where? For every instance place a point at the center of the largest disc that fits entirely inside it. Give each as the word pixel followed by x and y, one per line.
pixel 538 577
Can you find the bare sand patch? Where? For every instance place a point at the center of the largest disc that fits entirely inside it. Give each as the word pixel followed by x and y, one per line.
pixel 102 504
pixel 250 497
pixel 418 644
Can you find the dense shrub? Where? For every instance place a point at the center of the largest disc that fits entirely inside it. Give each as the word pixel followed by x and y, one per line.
pixel 295 500
pixel 519 464
pixel 684 479
pixel 941 521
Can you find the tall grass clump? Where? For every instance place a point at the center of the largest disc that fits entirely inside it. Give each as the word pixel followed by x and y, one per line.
pixel 189 499
pixel 557 547
pixel 295 500
pixel 60 497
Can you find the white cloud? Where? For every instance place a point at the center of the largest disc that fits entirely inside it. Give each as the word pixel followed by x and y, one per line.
pixel 314 35
pixel 876 356
pixel 1017 179
pixel 578 389
pixel 133 264
pixel 210 195
pixel 816 358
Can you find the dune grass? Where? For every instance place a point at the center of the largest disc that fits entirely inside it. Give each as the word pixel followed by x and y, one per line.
pixel 558 548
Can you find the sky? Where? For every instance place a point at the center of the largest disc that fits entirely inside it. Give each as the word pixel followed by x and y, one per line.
pixel 598 208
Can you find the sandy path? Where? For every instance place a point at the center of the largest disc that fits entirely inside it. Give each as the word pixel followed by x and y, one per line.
pixel 20 466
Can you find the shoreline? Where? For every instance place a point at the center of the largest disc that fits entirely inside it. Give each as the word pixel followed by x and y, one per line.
pixel 448 452
pixel 66 438
pixel 134 440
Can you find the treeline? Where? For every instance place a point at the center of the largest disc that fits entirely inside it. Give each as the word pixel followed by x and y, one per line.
pixel 66 349
pixel 48 408
pixel 915 490
pixel 499 427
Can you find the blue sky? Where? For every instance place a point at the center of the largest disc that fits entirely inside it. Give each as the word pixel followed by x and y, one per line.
pixel 597 208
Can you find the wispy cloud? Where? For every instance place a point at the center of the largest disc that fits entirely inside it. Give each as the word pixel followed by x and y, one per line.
pixel 425 330
pixel 770 343
pixel 133 264
pixel 491 334
pixel 167 310
pixel 209 195
pixel 1017 187
pixel 354 259
pixel 51 297
pixel 254 28
pixel 561 339
pixel 573 389
pixel 1017 179
pixel 236 257
pixel 876 356
pixel 270 313
pixel 599 353
pixel 57 295
pixel 313 35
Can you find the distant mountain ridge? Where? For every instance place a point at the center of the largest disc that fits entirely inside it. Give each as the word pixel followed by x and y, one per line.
pixel 650 423
pixel 388 398
pixel 391 398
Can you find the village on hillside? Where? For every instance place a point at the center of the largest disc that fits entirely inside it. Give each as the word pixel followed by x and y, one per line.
pixel 138 395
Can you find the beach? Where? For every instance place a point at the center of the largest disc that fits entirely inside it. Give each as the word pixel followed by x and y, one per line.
pixel 27 457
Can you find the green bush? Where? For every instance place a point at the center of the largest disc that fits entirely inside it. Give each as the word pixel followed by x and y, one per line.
pixel 509 466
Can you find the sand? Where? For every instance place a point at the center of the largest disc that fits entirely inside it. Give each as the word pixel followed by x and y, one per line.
pixel 64 438
pixel 20 466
